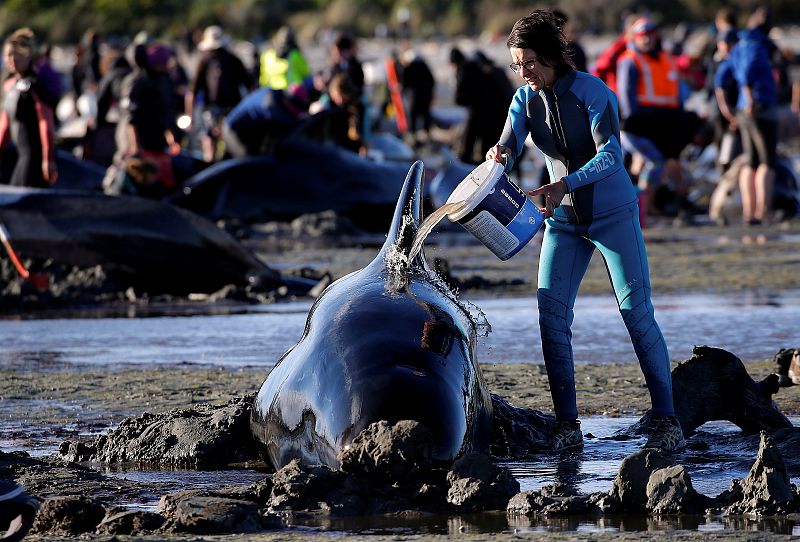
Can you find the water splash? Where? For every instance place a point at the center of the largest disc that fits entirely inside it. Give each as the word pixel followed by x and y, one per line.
pixel 430 222
pixel 397 263
pixel 478 317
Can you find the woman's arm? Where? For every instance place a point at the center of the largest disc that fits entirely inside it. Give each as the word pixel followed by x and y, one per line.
pixel 514 133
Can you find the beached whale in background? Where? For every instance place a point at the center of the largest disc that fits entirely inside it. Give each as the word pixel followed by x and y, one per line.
pixel 147 244
pixel 73 173
pixel 383 343
pixel 299 177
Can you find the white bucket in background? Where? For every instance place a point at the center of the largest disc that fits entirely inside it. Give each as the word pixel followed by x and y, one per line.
pixel 497 212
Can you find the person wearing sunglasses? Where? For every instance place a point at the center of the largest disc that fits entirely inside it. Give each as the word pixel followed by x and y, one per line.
pixel 590 203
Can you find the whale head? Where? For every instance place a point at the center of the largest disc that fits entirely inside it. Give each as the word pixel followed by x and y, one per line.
pixel 387 342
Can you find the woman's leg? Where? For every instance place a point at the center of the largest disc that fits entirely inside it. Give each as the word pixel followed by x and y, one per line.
pixel 619 239
pixel 563 261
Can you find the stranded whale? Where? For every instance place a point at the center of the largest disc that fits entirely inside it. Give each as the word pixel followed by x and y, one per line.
pixel 388 342
pixel 141 243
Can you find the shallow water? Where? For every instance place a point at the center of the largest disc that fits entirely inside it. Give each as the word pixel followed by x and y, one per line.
pixel 592 470
pixel 752 327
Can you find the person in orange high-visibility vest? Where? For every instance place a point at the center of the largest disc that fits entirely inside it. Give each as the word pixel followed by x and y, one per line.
pixel 648 86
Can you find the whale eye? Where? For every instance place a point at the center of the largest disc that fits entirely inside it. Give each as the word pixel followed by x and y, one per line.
pixel 437 337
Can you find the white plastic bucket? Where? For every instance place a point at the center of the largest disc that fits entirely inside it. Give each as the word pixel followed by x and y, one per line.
pixel 497 212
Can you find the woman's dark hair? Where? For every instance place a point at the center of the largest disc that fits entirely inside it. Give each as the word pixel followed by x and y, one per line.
pixel 541 31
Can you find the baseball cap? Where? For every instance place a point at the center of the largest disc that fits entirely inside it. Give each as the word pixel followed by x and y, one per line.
pixel 643 25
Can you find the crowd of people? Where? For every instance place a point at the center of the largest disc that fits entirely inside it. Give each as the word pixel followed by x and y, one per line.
pixel 145 101
pixel 151 100
pixel 752 93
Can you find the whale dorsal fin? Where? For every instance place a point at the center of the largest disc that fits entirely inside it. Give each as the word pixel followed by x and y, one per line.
pixel 407 216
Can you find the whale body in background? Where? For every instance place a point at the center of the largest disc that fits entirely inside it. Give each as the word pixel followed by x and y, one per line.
pixel 379 344
pixel 146 244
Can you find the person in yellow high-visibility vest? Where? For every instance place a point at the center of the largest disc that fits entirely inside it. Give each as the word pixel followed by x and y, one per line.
pixel 283 64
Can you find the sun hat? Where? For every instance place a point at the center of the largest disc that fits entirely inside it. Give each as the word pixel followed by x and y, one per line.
pixel 213 38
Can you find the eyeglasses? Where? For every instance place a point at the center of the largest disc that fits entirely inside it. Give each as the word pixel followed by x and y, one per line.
pixel 527 65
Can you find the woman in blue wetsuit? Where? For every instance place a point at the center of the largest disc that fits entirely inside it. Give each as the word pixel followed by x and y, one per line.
pixel 590 203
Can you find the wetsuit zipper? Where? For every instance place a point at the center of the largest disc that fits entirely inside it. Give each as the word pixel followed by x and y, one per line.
pixel 562 136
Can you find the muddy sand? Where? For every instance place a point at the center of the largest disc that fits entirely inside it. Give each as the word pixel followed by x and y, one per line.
pixel 708 259
pixel 63 403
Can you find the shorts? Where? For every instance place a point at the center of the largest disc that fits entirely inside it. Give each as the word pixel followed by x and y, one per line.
pixel 759 138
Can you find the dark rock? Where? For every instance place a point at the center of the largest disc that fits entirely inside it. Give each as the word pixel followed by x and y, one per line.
pixel 259 493
pixel 578 505
pixel 630 484
pixel 389 452
pixel 201 436
pixel 729 496
pixel 76 452
pixel 559 490
pixel 606 503
pixel 766 489
pixel 69 515
pixel 214 515
pixel 528 503
pixel 478 484
pixel 301 487
pixel 714 385
pixel 131 522
pixel 670 491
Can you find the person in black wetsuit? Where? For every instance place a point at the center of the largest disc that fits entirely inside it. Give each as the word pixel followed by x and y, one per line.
pixel 27 117
pixel 99 144
pixel 486 95
pixel 419 84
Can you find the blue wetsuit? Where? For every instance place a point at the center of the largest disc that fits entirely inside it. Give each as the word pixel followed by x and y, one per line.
pixel 576 126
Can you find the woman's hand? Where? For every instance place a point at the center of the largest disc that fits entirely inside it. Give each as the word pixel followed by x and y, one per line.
pixel 553 194
pixel 498 153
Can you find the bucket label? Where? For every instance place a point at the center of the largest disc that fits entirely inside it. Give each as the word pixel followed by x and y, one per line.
pixel 503 202
pixel 492 233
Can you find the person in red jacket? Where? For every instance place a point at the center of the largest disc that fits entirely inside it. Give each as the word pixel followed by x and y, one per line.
pixel 605 67
pixel 26 118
